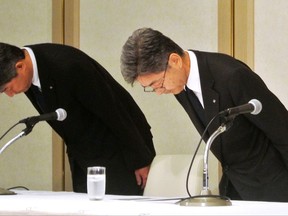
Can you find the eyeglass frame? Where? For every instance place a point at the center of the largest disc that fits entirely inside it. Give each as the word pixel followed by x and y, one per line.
pixel 149 88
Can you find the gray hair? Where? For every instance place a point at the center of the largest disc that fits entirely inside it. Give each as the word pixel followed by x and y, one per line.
pixel 146 51
pixel 9 56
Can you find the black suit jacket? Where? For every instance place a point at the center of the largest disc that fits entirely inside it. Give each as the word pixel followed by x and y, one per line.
pixel 102 117
pixel 254 151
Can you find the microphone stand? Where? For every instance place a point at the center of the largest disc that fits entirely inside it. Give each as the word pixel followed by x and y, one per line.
pixel 26 131
pixel 206 198
pixel 11 141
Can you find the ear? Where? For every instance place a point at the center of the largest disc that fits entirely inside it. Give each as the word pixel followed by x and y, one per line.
pixel 175 60
pixel 20 65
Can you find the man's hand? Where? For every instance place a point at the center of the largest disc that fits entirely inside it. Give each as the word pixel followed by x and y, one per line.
pixel 142 175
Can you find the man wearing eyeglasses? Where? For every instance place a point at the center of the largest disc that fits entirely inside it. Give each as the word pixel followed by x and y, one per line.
pixel 104 125
pixel 254 151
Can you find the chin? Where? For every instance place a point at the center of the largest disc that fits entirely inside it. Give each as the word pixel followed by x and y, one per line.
pixel 176 92
pixel 24 90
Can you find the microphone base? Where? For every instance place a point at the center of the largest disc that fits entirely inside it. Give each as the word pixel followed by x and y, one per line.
pixel 6 192
pixel 206 200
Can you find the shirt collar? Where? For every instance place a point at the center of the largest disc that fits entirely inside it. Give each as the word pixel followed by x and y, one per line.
pixel 35 78
pixel 193 81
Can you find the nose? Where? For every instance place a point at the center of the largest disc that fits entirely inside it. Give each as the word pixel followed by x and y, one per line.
pixel 160 91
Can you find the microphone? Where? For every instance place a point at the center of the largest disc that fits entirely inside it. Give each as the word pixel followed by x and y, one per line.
pixel 59 115
pixel 206 198
pixel 254 107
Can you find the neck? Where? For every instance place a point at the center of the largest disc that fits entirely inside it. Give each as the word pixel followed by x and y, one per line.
pixel 28 61
pixel 186 64
pixel 28 66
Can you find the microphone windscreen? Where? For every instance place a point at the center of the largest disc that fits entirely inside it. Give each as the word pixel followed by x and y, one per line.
pixel 257 106
pixel 61 114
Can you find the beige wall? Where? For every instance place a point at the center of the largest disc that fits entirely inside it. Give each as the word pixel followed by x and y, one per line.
pixel 27 162
pixel 271 43
pixel 106 25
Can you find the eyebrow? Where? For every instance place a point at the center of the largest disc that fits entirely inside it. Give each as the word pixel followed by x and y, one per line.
pixel 2 88
pixel 153 82
pixel 144 85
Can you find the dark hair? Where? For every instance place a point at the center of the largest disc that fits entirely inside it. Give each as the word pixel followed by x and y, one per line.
pixel 146 51
pixel 9 56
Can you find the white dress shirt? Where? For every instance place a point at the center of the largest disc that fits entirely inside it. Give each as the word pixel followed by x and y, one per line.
pixel 193 81
pixel 35 79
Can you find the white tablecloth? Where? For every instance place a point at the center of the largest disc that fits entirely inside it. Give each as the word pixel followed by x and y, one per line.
pixel 70 203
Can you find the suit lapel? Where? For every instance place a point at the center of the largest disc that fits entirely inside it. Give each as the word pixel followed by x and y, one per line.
pixel 184 101
pixel 210 98
pixel 47 83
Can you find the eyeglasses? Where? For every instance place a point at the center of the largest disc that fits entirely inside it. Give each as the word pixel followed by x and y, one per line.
pixel 152 89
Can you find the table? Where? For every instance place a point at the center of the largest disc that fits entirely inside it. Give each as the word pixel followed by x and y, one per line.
pixel 70 203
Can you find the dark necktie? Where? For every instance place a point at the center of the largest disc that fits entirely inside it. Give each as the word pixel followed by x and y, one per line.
pixel 197 106
pixel 39 97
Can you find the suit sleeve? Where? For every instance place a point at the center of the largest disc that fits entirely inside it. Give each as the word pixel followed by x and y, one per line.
pixel 99 93
pixel 273 118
